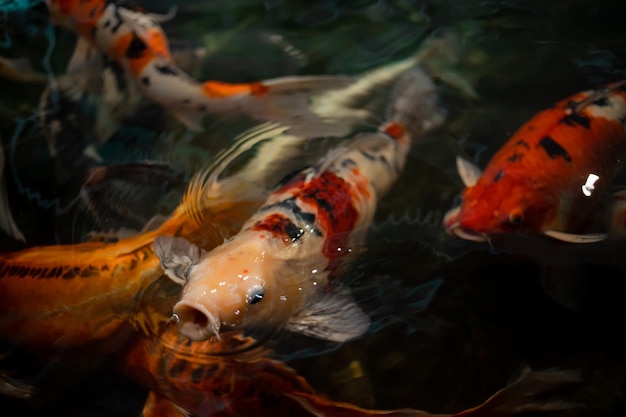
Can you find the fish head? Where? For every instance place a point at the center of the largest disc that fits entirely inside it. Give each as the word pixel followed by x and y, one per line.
pixel 505 207
pixel 232 287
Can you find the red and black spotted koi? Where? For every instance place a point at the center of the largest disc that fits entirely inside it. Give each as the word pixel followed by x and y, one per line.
pixel 551 175
pixel 135 40
pixel 275 272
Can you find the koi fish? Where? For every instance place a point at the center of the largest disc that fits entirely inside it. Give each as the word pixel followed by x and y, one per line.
pixel 275 272
pixel 63 298
pixel 137 42
pixel 552 173
pixel 205 378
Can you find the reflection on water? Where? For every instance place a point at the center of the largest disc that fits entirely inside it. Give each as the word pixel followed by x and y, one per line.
pixel 453 320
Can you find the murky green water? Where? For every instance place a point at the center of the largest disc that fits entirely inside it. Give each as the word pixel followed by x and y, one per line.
pixel 453 321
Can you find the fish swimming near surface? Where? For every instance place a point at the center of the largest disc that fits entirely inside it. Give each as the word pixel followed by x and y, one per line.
pixel 237 376
pixel 275 272
pixel 59 299
pixel 552 174
pixel 135 39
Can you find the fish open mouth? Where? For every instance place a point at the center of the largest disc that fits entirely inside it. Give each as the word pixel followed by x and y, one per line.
pixel 457 230
pixel 196 322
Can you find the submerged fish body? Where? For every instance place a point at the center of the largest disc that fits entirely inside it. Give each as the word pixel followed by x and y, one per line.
pixel 275 272
pixel 136 40
pixel 551 174
pixel 237 376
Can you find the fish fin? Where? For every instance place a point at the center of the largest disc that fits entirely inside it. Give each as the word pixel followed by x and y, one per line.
pixel 575 238
pixel 12 387
pixel 415 104
pixel 177 255
pixel 289 101
pixel 468 171
pixel 20 69
pixel 7 223
pixel 115 195
pixel 84 57
pixel 528 394
pixel 208 192
pixel 158 406
pixel 335 317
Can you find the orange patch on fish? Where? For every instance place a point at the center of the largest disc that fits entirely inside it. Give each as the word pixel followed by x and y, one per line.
pixel 216 89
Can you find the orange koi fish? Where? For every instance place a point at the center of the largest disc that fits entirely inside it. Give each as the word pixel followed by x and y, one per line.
pixel 55 299
pixel 275 272
pixel 135 39
pixel 205 378
pixel 551 175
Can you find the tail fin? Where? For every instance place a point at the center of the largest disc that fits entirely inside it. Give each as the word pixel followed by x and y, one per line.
pixel 414 105
pixel 529 393
pixel 287 100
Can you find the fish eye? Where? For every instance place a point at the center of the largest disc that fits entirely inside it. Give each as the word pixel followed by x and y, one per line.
pixel 516 217
pixel 255 294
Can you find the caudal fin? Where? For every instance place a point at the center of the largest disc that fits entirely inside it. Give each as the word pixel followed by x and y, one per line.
pixel 288 100
pixel 415 104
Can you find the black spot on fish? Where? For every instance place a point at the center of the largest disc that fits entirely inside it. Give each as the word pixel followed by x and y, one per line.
pixel 165 69
pixel 186 101
pixel 348 162
pixel 94 30
pixel 291 206
pixel 119 22
pixel 54 272
pixel 105 268
pixel 136 48
pixel 515 157
pixel 602 102
pixel 498 175
pixel 145 81
pixel 201 108
pixel 368 155
pixel 523 143
pixel 575 119
pixel 90 271
pixel 106 24
pixel 554 149
pixel 133 264
pixel 71 273
pixel 197 375
pixel 23 271
pixel 178 368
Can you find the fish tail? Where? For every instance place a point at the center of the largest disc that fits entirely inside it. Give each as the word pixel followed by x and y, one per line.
pixel 414 108
pixel 286 100
pixel 529 393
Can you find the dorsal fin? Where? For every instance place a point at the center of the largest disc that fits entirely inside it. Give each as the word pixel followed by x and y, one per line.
pixel 207 190
pixel 468 172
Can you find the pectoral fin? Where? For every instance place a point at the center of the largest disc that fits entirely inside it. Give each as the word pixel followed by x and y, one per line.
pixel 468 172
pixel 335 317
pixel 177 255
pixel 574 238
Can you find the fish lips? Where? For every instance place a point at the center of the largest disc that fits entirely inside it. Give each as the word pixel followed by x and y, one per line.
pixel 196 321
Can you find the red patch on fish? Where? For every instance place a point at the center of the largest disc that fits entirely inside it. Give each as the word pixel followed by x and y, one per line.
pixel 278 225
pixel 336 214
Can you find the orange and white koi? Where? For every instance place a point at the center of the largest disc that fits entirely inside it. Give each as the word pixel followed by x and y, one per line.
pixel 275 272
pixel 64 298
pixel 135 39
pixel 552 173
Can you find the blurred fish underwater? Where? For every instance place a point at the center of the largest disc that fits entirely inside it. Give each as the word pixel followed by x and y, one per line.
pixel 88 157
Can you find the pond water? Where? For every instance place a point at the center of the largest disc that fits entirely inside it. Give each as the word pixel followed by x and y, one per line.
pixel 452 321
